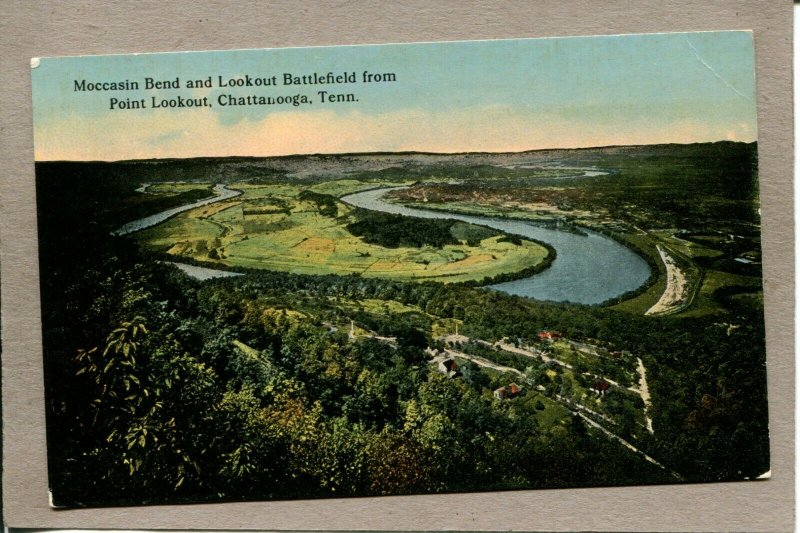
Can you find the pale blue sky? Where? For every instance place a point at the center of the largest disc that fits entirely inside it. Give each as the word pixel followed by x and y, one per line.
pixel 477 95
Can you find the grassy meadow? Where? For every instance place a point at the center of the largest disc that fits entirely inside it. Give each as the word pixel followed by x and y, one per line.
pixel 316 373
pixel 269 227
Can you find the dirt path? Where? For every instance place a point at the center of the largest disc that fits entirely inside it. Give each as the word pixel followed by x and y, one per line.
pixel 675 292
pixel 573 407
pixel 626 444
pixel 538 354
pixel 644 392
pixel 480 361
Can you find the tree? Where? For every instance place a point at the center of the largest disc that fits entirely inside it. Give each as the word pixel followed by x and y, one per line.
pixel 395 464
pixel 149 397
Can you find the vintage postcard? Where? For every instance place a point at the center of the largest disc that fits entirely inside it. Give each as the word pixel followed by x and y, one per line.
pixel 400 269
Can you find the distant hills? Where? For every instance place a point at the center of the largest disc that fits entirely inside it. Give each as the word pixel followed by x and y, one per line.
pixel 337 166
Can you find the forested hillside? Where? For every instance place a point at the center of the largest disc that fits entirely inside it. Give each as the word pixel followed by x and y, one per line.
pixel 161 388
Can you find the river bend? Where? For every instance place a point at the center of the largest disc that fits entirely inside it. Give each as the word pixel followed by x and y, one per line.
pixel 588 269
pixel 222 192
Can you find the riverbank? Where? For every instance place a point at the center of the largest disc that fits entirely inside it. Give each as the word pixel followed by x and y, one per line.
pixel 284 228
pixel 577 265
pixel 222 193
pixel 565 224
pixel 589 268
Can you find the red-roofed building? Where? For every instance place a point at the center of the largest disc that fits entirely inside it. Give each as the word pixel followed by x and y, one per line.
pixel 549 335
pixel 449 368
pixel 509 391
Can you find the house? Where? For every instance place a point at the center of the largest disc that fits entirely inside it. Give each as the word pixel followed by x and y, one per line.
pixel 449 368
pixel 549 335
pixel 509 391
pixel 433 352
pixel 600 387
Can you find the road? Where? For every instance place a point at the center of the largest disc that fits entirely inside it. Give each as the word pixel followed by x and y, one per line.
pixel 573 407
pixel 480 361
pixel 627 445
pixel 643 390
pixel 538 354
pixel 675 292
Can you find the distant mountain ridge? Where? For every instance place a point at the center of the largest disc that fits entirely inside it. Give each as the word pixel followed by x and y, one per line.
pixel 343 166
pixel 532 152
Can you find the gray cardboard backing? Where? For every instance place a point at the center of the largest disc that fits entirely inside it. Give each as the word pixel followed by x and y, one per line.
pixel 29 29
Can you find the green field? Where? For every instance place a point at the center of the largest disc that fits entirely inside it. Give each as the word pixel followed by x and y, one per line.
pixel 176 187
pixel 269 227
pixel 278 385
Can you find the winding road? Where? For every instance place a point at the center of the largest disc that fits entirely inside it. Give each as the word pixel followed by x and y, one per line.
pixel 674 294
pixel 573 407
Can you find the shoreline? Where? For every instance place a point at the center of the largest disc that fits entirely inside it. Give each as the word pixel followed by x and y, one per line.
pixel 570 226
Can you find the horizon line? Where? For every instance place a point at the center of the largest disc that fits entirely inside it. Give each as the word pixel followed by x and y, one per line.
pixel 383 152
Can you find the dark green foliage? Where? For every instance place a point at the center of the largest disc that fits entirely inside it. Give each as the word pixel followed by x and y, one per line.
pixel 101 196
pixel 240 416
pixel 394 231
pixel 513 239
pixel 473 376
pixel 238 388
pixel 325 203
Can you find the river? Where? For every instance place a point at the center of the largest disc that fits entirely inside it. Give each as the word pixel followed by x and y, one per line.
pixel 588 269
pixel 204 273
pixel 222 193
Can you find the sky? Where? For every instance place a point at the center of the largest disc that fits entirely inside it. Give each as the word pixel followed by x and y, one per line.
pixel 493 96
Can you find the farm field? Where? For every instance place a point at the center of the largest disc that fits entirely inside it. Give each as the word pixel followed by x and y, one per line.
pixel 709 235
pixel 469 266
pixel 269 227
pixel 330 327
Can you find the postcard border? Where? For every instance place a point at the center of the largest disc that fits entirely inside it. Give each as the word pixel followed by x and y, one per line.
pixel 40 29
